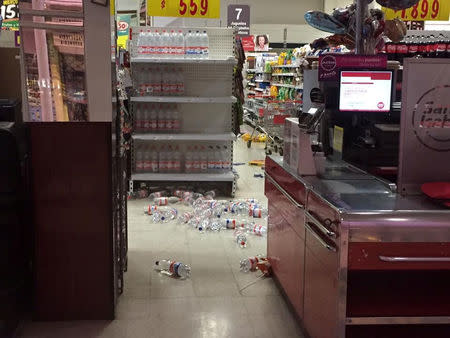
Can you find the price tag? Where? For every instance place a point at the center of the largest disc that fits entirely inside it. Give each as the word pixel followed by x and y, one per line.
pixel 208 9
pixel 423 10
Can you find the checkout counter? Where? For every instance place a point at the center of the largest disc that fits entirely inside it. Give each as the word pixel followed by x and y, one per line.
pixel 356 258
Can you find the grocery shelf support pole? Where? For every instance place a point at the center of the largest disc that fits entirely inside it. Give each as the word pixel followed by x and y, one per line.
pixel 361 10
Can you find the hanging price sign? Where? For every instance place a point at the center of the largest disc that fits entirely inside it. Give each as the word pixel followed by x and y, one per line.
pixel 207 9
pixel 423 10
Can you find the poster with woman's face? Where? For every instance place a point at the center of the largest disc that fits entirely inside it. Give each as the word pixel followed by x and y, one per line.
pixel 262 43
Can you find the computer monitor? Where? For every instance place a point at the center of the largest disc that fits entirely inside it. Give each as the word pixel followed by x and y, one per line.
pixel 365 90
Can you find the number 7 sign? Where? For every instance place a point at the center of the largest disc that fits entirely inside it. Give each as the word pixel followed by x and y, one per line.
pixel 239 17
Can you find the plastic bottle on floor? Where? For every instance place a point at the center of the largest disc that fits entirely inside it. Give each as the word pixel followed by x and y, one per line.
pixel 258 212
pixel 173 268
pixel 240 238
pixel 232 223
pixel 250 263
pixel 257 229
pixel 161 201
pixel 185 217
pixel 157 194
pixel 164 215
pixel 150 209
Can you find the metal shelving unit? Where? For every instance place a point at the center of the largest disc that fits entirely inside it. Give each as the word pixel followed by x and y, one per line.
pixel 205 111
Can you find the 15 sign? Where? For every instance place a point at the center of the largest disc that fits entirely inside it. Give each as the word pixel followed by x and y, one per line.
pixel 423 10
pixel 207 9
pixel 9 11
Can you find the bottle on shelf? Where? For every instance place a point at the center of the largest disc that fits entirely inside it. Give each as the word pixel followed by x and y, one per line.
pixel 217 159
pixel 161 118
pixel 169 119
pixel 188 163
pixel 179 44
pixel 197 45
pixel 154 160
pixel 139 159
pixel 204 43
pixel 169 158
pixel 153 124
pixel 189 45
pixel 196 160
pixel 156 81
pixel 147 160
pixel 172 78
pixel 146 118
pixel 179 81
pixel 165 82
pixel 139 117
pixel 162 163
pixel 203 159
pixel 226 156
pixel 211 159
pixel 176 160
pixel 176 116
pixel 165 42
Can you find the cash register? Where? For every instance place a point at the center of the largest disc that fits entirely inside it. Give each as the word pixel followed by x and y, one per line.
pixel 360 107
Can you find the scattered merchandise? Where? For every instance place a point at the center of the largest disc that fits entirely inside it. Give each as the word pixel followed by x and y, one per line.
pixel 164 215
pixel 251 263
pixel 150 209
pixel 240 238
pixel 173 268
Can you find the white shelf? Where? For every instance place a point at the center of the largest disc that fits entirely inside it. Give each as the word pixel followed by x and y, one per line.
pixel 197 177
pixel 286 66
pixel 230 60
pixel 259 89
pixel 184 99
pixel 286 85
pixel 262 80
pixel 184 137
pixel 284 74
pixel 251 84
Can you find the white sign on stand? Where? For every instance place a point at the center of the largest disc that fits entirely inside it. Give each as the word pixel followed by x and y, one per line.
pixel 425 124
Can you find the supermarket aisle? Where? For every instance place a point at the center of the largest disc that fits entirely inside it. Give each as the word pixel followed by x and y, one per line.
pixel 208 304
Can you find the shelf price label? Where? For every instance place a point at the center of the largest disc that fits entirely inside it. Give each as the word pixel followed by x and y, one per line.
pixel 206 9
pixel 423 10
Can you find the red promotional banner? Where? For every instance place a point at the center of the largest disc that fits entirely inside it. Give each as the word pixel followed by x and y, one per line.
pixel 331 64
pixel 248 43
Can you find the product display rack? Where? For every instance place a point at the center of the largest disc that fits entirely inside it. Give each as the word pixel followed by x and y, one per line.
pixel 205 112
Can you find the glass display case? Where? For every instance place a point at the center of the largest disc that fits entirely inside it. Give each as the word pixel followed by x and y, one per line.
pixel 57 65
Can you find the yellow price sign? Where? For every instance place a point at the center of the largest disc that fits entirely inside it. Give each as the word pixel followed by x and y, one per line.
pixel 423 10
pixel 207 9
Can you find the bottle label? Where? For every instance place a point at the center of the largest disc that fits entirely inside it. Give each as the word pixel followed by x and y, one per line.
pixel 441 47
pixel 169 125
pixel 422 48
pixel 153 124
pixel 169 165
pixel 413 48
pixel 203 165
pixel 180 88
pixel 176 124
pixel 448 47
pixel 166 88
pixel 225 165
pixel 147 165
pixel 162 165
pixel 176 166
pixel 139 165
pixel 172 88
pixel 188 166
pixel 402 49
pixel 154 166
pixel 196 165
pixel 391 48
pixel 146 125
pixel 161 125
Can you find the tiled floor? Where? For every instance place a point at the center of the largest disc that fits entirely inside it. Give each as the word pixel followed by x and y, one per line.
pixel 209 304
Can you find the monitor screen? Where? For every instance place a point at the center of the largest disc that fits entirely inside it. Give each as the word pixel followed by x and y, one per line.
pixel 368 91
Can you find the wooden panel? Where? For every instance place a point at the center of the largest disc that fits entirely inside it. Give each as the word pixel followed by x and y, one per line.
pixel 72 198
pixel 286 251
pixel 292 185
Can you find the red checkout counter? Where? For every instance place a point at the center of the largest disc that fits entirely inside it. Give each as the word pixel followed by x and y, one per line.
pixel 355 259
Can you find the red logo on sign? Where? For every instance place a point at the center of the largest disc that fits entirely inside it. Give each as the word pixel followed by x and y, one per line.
pixel 163 4
pixel 380 105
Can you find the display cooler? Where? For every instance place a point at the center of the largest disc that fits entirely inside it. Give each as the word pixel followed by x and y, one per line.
pixel 77 166
pixel 204 109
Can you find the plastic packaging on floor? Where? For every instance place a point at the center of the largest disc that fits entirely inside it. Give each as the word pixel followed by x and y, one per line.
pixel 150 209
pixel 173 268
pixel 164 215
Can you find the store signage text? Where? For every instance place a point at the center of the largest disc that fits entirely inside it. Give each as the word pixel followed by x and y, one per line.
pixel 238 17
pixel 9 11
pixel 207 9
pixel 431 118
pixel 331 64
pixel 423 10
